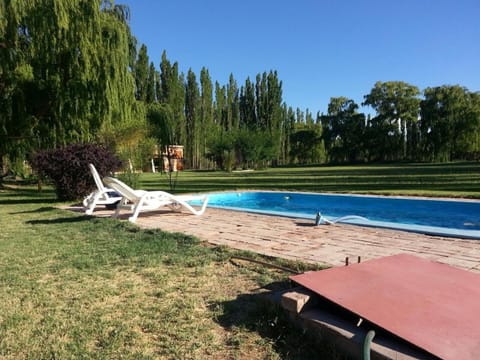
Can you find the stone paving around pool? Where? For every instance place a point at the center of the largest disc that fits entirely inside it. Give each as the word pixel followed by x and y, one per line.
pixel 299 239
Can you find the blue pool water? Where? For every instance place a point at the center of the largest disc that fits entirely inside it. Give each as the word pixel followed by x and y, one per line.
pixel 431 216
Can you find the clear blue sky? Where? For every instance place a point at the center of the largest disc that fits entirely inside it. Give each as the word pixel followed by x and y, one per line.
pixel 320 48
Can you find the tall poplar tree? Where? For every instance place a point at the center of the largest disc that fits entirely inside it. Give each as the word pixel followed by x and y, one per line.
pixel 247 106
pixel 261 100
pixel 233 110
pixel 173 93
pixel 151 83
pixel 191 120
pixel 220 106
pixel 206 113
pixel 141 74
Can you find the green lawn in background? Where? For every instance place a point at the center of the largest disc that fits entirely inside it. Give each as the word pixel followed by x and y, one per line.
pixel 449 180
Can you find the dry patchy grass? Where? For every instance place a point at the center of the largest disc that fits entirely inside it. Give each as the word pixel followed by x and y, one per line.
pixel 74 287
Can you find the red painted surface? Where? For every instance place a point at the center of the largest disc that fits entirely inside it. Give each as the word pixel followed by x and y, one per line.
pixel 431 305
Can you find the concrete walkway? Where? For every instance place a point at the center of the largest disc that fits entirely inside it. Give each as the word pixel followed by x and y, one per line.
pixel 298 239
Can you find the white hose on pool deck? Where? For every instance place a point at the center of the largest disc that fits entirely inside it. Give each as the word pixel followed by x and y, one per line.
pixel 320 220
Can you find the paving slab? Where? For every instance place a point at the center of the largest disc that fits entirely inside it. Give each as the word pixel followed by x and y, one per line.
pixel 300 239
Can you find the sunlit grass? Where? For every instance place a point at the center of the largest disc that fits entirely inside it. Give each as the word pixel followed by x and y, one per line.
pixel 449 180
pixel 76 287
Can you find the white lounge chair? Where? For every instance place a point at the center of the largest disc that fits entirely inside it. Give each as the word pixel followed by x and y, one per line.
pixel 101 196
pixel 140 200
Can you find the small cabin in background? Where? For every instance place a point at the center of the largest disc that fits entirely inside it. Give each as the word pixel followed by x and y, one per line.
pixel 170 159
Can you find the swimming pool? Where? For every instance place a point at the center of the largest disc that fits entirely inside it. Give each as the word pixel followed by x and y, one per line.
pixel 430 216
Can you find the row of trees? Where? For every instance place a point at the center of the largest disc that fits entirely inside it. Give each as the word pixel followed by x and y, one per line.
pixel 218 124
pixel 249 124
pixel 444 125
pixel 70 72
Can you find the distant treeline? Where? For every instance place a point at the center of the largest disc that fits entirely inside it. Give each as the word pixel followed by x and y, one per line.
pixel 73 72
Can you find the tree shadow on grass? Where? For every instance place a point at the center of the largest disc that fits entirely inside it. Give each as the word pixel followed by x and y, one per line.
pixel 35 211
pixel 27 201
pixel 65 220
pixel 257 313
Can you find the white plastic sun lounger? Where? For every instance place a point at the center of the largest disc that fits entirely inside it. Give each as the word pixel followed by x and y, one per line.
pixel 141 200
pixel 101 196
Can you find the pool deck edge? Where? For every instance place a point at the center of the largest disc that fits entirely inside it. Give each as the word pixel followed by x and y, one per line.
pixel 300 239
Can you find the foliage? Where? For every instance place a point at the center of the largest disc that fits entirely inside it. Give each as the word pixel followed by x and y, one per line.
pixel 162 127
pixel 130 177
pixel 64 72
pixel 141 74
pixel 171 92
pixel 206 126
pixel 397 105
pixel 305 146
pixel 68 168
pixel 344 131
pixel 253 148
pixel 222 151
pixel 450 123
pixel 192 110
pixel 70 72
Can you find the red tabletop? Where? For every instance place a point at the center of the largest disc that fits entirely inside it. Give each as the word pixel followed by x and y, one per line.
pixel 431 305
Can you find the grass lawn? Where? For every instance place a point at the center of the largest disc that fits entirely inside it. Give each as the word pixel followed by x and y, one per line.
pixel 77 287
pixel 449 180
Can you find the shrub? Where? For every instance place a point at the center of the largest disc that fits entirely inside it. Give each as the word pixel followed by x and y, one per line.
pixel 68 169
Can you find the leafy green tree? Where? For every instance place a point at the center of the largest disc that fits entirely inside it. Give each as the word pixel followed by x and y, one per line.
pixel 261 100
pixel 161 121
pixel 232 119
pixel 141 74
pixel 158 87
pixel 305 146
pixel 253 148
pixel 274 113
pixel 222 150
pixel 248 116
pixel 192 95
pixel 288 128
pixel 220 108
pixel 151 95
pixel 274 100
pixel 343 130
pixel 173 93
pixel 162 126
pixel 309 118
pixel 207 129
pixel 64 72
pixel 397 106
pixel 450 123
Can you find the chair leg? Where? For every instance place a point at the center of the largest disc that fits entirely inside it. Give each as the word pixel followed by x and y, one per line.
pixel 119 206
pixel 136 210
pixel 193 210
pixel 92 202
